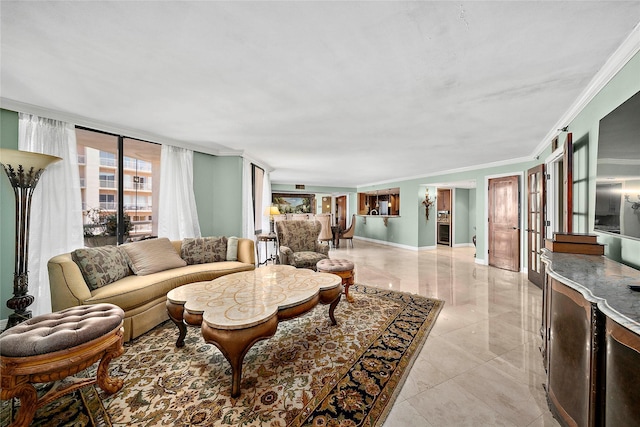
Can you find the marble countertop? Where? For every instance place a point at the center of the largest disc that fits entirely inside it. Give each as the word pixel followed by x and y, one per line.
pixel 601 281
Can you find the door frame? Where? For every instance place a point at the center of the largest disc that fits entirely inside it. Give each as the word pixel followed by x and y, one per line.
pixel 521 178
pixel 554 204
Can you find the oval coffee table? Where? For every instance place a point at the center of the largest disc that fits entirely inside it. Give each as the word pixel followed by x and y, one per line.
pixel 237 310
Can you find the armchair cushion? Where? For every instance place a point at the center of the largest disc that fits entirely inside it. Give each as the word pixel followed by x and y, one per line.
pixel 307 259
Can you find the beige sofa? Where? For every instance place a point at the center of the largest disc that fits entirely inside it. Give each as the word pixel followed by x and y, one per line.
pixel 142 297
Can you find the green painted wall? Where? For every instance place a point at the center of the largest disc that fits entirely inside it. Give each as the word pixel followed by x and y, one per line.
pixel 585 128
pixel 8 139
pixel 461 213
pixel 472 214
pixel 217 185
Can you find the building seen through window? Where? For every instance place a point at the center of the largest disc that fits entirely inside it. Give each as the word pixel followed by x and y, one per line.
pixel 105 203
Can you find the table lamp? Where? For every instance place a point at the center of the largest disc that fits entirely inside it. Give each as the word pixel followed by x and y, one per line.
pixel 270 211
pixel 24 170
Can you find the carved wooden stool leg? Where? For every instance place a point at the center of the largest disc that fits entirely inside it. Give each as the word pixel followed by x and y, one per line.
pixel 28 403
pixel 347 282
pixel 108 384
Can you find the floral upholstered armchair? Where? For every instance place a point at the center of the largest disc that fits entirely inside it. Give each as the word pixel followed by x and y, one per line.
pixel 299 245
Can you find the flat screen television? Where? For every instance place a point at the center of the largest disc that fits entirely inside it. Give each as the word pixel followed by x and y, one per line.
pixel 618 171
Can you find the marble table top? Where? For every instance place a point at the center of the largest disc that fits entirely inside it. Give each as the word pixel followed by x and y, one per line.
pixel 601 281
pixel 245 299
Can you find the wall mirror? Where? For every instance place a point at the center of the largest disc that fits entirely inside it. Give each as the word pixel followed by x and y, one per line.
pixel 379 202
pixel 618 171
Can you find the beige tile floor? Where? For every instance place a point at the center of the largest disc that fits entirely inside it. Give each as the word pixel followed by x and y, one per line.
pixel 481 365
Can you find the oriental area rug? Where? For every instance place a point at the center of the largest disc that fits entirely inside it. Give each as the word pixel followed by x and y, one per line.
pixel 308 374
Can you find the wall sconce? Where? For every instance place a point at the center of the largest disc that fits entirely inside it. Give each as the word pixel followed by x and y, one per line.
pixel 270 211
pixel 634 205
pixel 428 202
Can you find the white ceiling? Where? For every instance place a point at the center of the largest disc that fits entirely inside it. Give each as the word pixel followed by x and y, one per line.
pixel 324 93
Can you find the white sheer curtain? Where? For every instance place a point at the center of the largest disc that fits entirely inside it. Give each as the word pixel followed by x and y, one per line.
pixel 248 228
pixel 177 213
pixel 266 199
pixel 56 212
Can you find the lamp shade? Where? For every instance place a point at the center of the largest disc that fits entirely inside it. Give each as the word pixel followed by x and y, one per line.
pixel 26 159
pixel 271 210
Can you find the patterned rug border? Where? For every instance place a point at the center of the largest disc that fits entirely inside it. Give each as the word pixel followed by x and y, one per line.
pixel 415 347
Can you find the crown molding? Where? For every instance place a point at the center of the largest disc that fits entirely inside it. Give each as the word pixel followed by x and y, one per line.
pixel 457 170
pixel 614 64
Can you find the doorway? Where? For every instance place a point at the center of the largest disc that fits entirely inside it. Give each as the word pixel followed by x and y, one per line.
pixel 535 224
pixel 504 222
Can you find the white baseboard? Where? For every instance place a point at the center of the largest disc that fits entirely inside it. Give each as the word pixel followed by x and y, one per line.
pixel 384 242
pixel 463 245
pixel 3 324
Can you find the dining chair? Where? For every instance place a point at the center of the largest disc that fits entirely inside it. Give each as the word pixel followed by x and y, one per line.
pixel 349 232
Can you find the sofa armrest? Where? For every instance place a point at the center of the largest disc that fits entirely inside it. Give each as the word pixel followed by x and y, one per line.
pixel 67 285
pixel 246 251
pixel 286 255
pixel 322 248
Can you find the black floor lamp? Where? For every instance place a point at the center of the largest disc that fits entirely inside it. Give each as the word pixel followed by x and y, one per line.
pixel 24 170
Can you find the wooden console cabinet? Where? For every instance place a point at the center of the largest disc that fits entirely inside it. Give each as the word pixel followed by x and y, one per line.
pixel 591 340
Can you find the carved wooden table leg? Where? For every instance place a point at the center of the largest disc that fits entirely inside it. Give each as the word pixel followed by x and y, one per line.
pixel 234 345
pixel 176 314
pixel 331 297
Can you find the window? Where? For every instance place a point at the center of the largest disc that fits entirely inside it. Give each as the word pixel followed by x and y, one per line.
pixel 257 176
pixel 107 202
pixel 379 202
pixel 106 160
pixel 107 180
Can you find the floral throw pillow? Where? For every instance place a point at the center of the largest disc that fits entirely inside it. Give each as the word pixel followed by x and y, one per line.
pixel 102 265
pixel 200 250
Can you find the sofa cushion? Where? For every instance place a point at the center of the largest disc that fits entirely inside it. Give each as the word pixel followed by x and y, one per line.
pixel 134 292
pixel 102 265
pixel 202 250
pixel 232 248
pixel 151 256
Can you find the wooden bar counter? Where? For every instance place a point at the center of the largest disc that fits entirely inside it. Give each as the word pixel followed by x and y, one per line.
pixel 591 340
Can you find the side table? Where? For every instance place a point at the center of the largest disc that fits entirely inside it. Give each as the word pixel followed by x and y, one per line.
pixel 266 239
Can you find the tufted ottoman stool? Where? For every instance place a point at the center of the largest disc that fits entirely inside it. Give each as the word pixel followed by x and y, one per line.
pixel 54 346
pixel 340 267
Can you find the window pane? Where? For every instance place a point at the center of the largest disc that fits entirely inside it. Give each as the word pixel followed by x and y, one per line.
pixel 98 167
pixel 141 169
